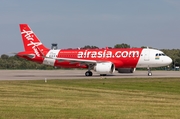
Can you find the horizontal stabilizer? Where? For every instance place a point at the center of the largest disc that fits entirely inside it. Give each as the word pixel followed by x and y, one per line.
pixel 29 55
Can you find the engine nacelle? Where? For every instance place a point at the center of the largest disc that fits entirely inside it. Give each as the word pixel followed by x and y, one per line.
pixel 104 68
pixel 126 70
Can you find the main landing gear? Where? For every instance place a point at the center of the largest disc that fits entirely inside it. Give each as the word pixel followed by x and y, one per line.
pixel 149 72
pixel 88 73
pixel 103 74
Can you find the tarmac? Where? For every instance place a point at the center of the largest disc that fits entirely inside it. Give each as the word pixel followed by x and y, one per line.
pixel 77 74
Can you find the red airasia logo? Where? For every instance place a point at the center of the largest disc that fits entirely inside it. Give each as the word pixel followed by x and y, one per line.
pixel 29 37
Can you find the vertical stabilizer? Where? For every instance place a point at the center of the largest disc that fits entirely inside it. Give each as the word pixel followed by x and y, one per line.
pixel 30 40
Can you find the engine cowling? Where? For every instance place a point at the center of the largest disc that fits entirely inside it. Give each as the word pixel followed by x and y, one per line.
pixel 126 70
pixel 104 68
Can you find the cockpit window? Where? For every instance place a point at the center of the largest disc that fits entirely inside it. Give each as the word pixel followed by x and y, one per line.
pixel 160 54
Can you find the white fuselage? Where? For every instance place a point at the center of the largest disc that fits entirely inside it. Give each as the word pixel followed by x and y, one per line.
pixel 153 58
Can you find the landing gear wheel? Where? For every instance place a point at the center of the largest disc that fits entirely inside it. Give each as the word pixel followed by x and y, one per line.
pixel 88 73
pixel 149 74
pixel 103 74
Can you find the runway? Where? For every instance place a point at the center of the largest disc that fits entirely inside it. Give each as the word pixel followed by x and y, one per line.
pixel 77 74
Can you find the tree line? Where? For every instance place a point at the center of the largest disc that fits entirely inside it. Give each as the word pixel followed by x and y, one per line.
pixel 14 62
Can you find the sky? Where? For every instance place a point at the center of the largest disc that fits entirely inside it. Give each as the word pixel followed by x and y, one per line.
pixel 101 23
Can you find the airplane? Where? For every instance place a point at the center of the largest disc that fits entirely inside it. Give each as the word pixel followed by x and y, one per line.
pixel 103 61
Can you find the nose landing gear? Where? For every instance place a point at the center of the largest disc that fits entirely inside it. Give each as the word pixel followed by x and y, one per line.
pixel 149 72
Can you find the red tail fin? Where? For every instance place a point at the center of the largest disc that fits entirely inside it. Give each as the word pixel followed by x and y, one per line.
pixel 30 40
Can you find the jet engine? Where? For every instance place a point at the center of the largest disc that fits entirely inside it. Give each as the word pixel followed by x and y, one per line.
pixel 104 67
pixel 126 70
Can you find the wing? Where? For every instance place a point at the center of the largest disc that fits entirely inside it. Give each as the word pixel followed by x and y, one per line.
pixel 81 61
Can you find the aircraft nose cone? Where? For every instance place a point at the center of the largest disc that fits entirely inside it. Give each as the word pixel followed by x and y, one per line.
pixel 169 60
